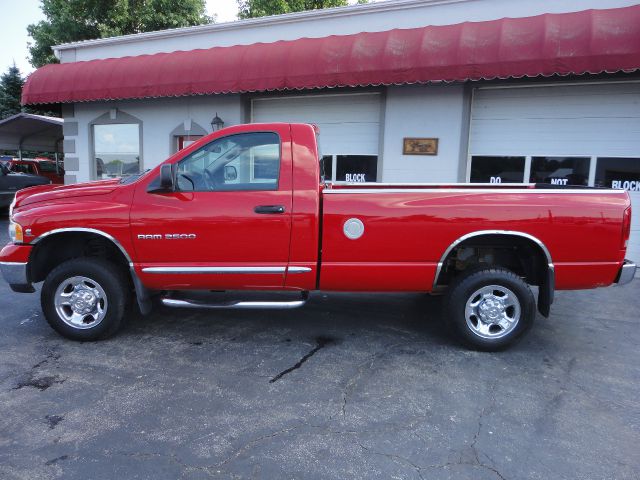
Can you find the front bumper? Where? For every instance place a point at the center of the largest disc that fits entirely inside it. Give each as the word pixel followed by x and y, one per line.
pixel 627 272
pixel 17 276
pixel 14 264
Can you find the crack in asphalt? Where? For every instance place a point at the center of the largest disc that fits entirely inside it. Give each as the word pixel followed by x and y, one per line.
pixel 56 460
pixel 474 448
pixel 395 458
pixel 250 443
pixel 353 381
pixel 321 342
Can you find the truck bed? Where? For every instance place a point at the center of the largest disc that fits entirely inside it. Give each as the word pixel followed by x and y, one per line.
pixel 410 227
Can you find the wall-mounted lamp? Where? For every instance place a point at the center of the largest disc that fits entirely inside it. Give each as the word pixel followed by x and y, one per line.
pixel 217 123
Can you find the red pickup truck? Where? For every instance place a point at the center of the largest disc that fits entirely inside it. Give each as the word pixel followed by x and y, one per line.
pixel 42 167
pixel 246 209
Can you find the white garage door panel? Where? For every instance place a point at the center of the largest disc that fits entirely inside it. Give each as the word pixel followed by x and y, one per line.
pixel 349 124
pixel 599 120
pixel 589 120
pixel 535 137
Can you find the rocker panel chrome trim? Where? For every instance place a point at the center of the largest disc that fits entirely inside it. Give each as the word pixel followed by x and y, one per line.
pixel 214 270
pixel 298 269
pixel 537 241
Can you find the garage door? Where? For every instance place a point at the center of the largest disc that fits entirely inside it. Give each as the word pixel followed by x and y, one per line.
pixel 585 134
pixel 349 129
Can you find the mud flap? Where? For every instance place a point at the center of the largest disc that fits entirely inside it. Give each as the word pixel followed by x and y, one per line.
pixel 546 292
pixel 143 296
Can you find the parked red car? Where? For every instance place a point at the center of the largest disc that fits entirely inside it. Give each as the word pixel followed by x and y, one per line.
pixel 39 166
pixel 246 209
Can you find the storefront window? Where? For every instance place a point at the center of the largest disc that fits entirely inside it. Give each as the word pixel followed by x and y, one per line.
pixel 116 149
pixel 560 170
pixel 497 169
pixel 356 168
pixel 618 173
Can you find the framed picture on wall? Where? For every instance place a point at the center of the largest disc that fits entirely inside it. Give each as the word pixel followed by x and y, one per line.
pixel 419 146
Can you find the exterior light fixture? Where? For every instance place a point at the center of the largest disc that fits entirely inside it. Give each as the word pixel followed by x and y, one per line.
pixel 217 123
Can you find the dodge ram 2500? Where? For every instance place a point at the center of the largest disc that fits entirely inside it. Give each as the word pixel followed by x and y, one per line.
pixel 246 209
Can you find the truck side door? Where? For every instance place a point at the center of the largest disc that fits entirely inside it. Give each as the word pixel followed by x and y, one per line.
pixel 228 225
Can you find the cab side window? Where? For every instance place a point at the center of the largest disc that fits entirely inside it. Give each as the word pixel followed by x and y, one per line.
pixel 247 161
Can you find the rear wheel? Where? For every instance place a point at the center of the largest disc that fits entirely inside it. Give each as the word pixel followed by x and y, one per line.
pixel 85 298
pixel 489 309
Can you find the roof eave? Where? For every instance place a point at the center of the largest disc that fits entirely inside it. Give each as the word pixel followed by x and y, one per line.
pixel 334 12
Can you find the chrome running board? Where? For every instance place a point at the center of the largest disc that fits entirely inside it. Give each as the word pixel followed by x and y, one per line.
pixel 235 304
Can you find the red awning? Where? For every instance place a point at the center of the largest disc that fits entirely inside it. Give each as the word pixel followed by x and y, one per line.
pixel 591 41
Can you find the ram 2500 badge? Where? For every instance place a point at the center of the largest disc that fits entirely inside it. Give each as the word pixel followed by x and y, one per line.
pixel 246 209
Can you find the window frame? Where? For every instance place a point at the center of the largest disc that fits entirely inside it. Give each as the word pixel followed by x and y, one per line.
pixel 334 166
pixel 593 163
pixel 114 117
pixel 525 175
pixel 188 128
pixel 596 159
pixel 529 163
pixel 529 158
pixel 251 164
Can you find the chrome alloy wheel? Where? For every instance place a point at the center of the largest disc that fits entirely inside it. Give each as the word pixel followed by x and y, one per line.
pixel 492 311
pixel 81 302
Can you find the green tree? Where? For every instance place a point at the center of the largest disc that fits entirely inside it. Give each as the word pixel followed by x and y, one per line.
pixel 262 8
pixel 10 90
pixel 75 20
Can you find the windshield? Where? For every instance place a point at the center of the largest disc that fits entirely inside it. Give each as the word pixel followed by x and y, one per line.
pixel 132 178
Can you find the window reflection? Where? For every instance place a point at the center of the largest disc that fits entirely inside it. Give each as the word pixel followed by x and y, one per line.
pixel 116 149
pixel 560 170
pixel 248 161
pixel 497 169
pixel 618 173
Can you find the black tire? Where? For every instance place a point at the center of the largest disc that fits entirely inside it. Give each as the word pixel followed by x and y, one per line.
pixel 487 335
pixel 112 282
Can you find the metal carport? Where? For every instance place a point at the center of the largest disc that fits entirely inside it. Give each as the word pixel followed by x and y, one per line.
pixel 29 132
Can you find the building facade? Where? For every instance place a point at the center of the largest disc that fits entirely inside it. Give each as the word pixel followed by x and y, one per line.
pixel 553 125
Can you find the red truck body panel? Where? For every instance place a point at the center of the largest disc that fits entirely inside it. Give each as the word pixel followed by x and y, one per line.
pixel 408 228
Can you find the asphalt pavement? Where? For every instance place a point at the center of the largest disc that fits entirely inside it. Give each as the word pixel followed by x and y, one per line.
pixel 349 386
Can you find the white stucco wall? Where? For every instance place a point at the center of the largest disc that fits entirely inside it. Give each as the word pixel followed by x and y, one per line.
pixel 431 111
pixel 409 111
pixel 374 17
pixel 159 118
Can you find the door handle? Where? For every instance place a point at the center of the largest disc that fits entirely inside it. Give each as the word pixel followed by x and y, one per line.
pixel 269 209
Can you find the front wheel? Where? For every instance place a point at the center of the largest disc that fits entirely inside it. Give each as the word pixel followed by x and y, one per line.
pixel 489 309
pixel 85 298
